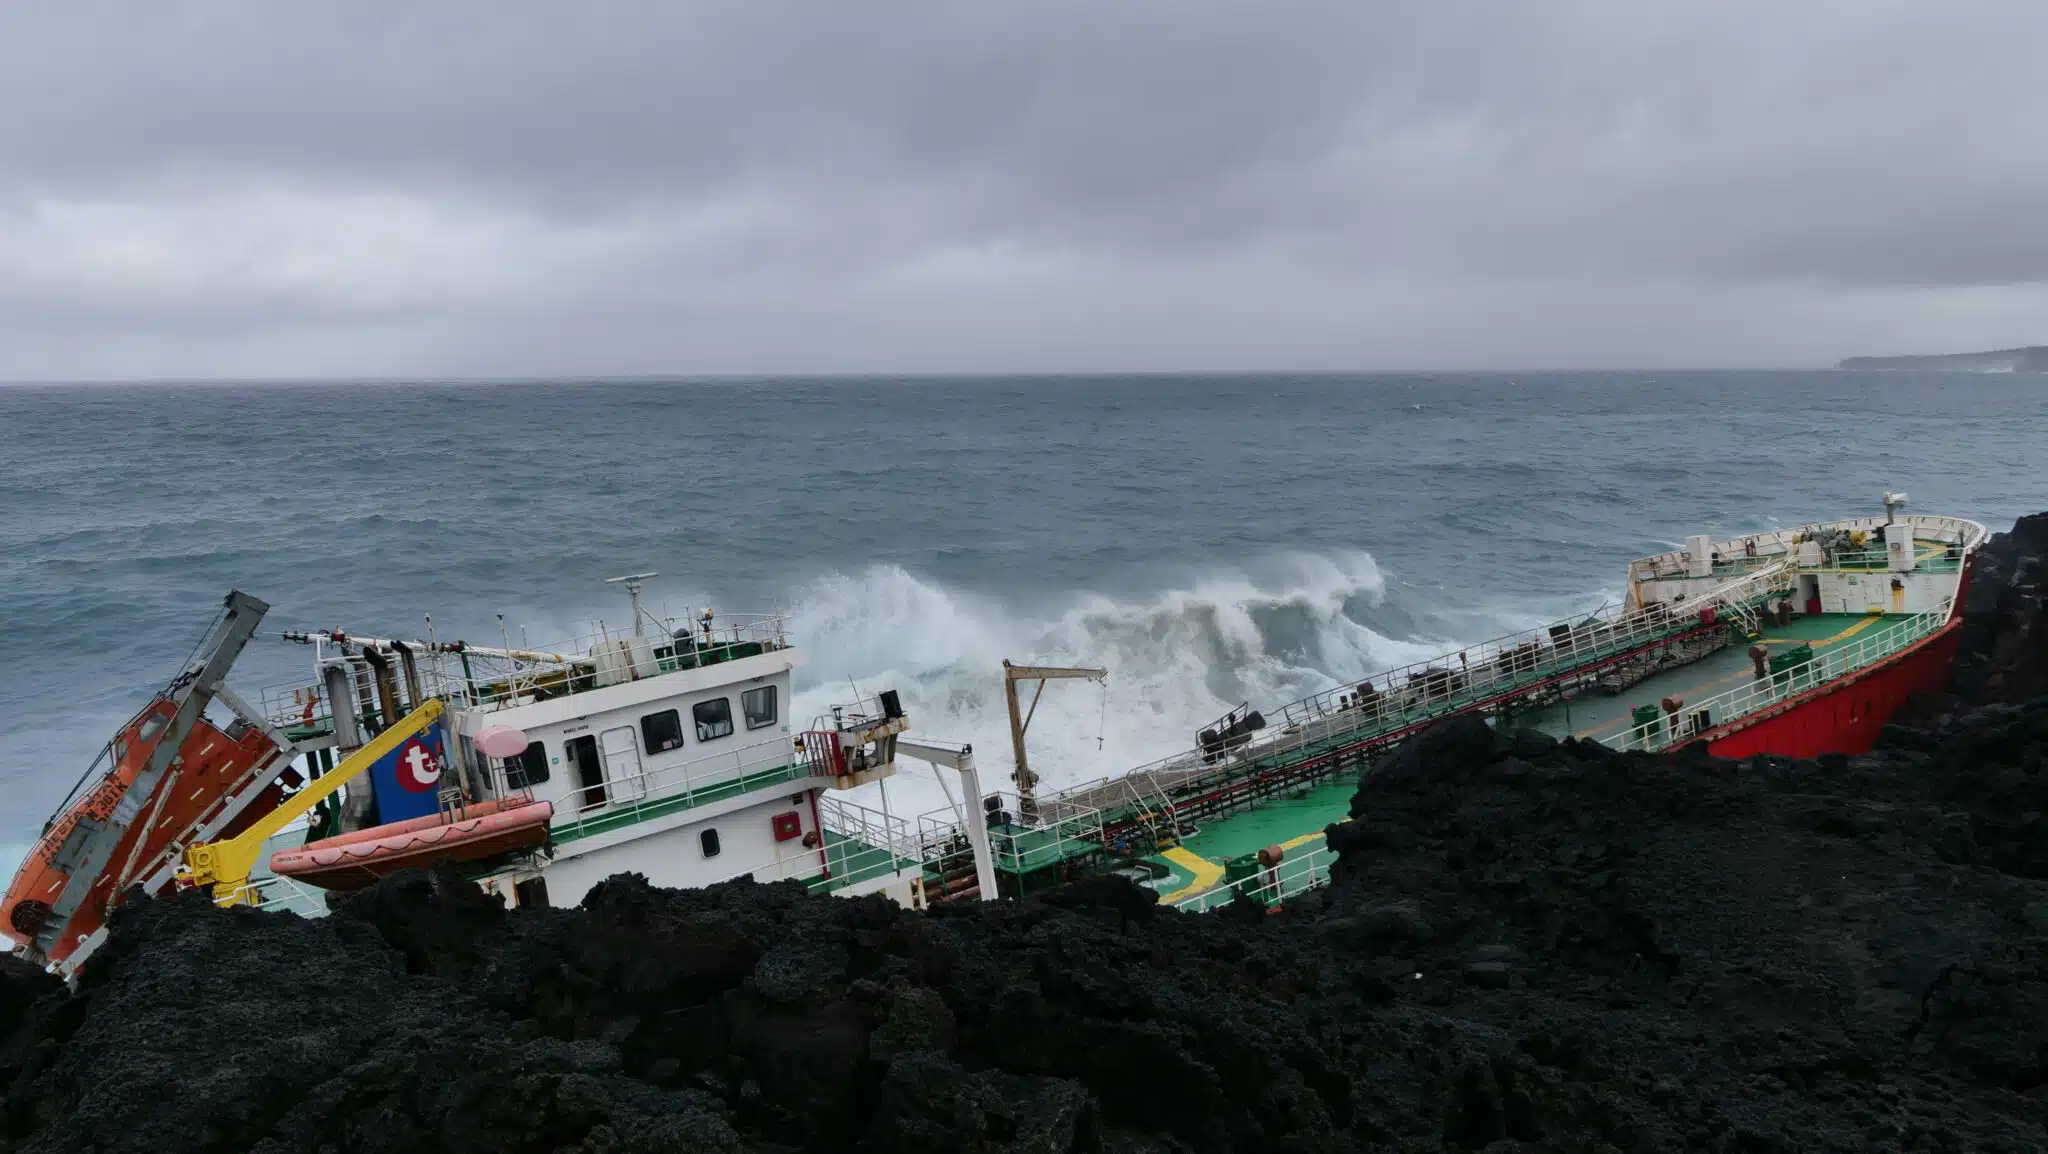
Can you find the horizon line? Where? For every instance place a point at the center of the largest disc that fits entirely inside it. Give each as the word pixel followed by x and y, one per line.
pixel 922 374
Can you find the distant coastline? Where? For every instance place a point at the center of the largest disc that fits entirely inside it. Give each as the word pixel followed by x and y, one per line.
pixel 2031 359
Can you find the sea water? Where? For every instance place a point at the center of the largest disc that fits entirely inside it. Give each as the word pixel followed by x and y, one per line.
pixel 1211 540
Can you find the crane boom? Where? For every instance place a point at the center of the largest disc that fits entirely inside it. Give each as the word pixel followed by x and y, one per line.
pixel 1027 802
pixel 225 864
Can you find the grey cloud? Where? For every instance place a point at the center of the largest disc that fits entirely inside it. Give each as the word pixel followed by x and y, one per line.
pixel 523 188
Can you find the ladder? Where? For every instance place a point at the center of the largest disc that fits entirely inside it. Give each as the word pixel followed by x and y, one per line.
pixel 1154 809
pixel 1736 600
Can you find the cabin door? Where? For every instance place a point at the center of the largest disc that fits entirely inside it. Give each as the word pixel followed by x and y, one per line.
pixel 1875 593
pixel 584 767
pixel 622 774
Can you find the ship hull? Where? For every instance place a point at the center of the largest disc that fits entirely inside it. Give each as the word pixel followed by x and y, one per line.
pixel 1845 715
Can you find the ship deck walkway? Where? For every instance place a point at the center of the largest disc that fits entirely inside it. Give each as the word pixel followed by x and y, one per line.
pixel 1599 716
pixel 1191 875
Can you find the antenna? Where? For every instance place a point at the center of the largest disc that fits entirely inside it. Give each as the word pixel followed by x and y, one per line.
pixel 632 582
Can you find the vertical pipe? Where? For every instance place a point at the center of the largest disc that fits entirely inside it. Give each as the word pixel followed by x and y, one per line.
pixel 977 830
pixel 387 689
pixel 341 704
pixel 411 667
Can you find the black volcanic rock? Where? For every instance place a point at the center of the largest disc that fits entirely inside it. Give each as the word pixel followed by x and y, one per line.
pixel 2003 652
pixel 1526 945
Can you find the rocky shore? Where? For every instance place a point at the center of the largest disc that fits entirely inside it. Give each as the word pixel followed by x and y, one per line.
pixel 1526 945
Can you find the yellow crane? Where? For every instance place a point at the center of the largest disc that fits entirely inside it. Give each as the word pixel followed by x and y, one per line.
pixel 1027 802
pixel 225 864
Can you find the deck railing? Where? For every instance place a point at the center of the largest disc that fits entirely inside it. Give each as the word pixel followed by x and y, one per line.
pixel 1401 698
pixel 1063 830
pixel 279 894
pixel 892 836
pixel 489 678
pixel 1878 559
pixel 606 657
pixel 624 799
pixel 1271 887
pixel 1785 684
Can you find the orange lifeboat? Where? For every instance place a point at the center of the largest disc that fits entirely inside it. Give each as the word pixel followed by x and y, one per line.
pixel 354 860
pixel 213 771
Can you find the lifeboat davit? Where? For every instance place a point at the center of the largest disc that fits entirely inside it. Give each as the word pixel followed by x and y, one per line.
pixel 354 860
pixel 214 771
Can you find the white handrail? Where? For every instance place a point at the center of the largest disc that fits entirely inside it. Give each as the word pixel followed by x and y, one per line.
pixel 653 786
pixel 1292 877
pixel 1416 693
pixel 1776 688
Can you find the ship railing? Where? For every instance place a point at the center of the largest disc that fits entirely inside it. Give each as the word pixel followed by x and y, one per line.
pixel 1062 830
pixel 492 677
pixel 1269 887
pixel 799 866
pixel 1925 527
pixel 1398 698
pixel 301 708
pixel 1783 685
pixel 1879 559
pixel 861 842
pixel 486 679
pixel 850 716
pixel 280 894
pixel 622 798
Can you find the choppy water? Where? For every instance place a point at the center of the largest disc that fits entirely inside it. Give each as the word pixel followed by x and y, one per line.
pixel 1209 539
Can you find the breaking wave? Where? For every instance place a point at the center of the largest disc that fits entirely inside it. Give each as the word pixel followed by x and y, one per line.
pixel 1178 659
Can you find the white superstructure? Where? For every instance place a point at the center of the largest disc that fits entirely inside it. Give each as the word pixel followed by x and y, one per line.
pixel 666 750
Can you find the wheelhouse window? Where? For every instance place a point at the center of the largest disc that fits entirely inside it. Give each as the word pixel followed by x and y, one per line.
pixel 527 768
pixel 714 718
pixel 759 706
pixel 709 841
pixel 662 731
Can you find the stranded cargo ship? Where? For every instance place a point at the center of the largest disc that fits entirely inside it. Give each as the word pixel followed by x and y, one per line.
pixel 665 748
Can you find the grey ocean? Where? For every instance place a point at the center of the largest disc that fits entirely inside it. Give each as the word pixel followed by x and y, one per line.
pixel 1210 539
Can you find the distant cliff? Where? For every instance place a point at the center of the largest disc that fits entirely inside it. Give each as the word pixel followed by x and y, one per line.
pixel 2032 359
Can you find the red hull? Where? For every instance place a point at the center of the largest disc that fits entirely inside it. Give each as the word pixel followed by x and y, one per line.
pixel 1843 716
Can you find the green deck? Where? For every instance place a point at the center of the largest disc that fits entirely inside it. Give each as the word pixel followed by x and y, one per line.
pixel 1595 715
pixel 851 861
pixel 1297 821
pixel 1191 873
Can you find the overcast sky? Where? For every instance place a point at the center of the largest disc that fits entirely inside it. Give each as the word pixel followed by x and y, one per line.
pixel 198 189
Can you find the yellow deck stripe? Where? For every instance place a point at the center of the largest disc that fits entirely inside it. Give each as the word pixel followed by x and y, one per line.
pixel 1690 690
pixel 1859 627
pixel 1207 873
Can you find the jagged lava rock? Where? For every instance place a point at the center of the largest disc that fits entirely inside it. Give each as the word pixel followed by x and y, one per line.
pixel 1526 945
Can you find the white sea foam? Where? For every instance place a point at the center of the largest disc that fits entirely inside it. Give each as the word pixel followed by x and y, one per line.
pixel 1178 659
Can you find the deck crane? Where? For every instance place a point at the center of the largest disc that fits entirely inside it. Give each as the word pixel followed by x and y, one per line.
pixel 960 759
pixel 225 865
pixel 1027 802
